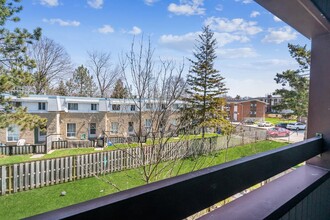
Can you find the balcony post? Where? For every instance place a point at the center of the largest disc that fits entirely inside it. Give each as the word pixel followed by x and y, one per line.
pixel 319 96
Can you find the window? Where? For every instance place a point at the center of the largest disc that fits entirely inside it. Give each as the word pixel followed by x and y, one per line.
pixel 94 107
pixel 148 106
pixel 163 106
pixel 71 130
pixel 13 133
pixel 92 130
pixel 175 106
pixel 116 107
pixel 73 106
pixel 41 106
pixel 130 127
pixel 148 123
pixel 114 127
pixel 132 108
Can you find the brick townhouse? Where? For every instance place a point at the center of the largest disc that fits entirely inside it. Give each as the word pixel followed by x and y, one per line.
pixel 240 110
pixel 81 118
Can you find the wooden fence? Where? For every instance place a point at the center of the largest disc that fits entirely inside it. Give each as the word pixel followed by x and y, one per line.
pixel 34 174
pixel 25 149
pixel 93 143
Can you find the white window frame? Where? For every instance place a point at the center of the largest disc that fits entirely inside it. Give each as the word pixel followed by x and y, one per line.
pixel 114 127
pixel 71 134
pixel 73 106
pixel 148 123
pixel 12 133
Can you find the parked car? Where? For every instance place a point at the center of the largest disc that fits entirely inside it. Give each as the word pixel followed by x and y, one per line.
pixel 264 124
pixel 281 125
pixel 296 126
pixel 278 132
pixel 249 121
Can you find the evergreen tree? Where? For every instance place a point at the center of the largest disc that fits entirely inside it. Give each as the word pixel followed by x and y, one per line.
pixel 61 89
pixel 15 67
pixel 120 92
pixel 205 107
pixel 295 83
pixel 82 83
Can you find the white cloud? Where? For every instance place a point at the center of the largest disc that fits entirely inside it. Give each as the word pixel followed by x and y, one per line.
pixel 106 29
pixel 135 31
pixel 219 7
pixel 280 35
pixel 150 2
pixel 50 3
pixel 244 52
pixel 244 1
pixel 186 42
pixel 61 22
pixel 97 4
pixel 276 19
pixel 254 14
pixel 234 25
pixel 187 7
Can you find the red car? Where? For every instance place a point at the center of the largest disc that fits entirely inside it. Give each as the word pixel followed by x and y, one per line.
pixel 278 132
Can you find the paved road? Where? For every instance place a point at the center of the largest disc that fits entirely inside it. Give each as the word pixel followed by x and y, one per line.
pixel 293 138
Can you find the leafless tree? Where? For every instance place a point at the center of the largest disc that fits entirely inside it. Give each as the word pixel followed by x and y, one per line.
pixel 102 67
pixel 53 64
pixel 155 91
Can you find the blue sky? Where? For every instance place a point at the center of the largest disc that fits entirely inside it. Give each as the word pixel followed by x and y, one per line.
pixel 252 43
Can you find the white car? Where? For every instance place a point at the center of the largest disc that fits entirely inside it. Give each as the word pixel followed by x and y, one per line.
pixel 264 124
pixel 296 126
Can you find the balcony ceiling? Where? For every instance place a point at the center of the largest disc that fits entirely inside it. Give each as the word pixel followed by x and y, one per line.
pixel 309 17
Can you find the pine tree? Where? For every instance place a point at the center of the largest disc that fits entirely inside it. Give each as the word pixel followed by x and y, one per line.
pixel 120 92
pixel 15 67
pixel 61 89
pixel 205 107
pixel 295 83
pixel 82 83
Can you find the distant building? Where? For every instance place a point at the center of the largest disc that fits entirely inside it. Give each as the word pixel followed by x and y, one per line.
pixel 79 118
pixel 240 110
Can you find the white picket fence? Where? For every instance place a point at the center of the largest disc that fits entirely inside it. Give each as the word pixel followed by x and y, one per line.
pixel 34 174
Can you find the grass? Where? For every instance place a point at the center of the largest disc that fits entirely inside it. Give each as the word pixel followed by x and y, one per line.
pixel 28 203
pixel 278 120
pixel 5 159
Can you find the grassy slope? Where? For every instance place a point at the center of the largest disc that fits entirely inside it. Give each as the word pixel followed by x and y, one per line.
pixel 28 203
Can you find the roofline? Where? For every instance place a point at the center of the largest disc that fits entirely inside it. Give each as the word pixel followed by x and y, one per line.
pixel 302 15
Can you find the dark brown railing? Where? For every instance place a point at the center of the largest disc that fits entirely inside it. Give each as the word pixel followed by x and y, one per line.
pixel 182 196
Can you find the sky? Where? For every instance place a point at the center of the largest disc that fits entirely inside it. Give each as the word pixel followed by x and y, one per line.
pixel 251 49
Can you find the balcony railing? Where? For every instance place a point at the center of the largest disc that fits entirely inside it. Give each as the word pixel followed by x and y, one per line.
pixel 185 195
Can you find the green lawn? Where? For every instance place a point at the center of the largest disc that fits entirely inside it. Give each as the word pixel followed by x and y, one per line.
pixel 28 203
pixel 278 120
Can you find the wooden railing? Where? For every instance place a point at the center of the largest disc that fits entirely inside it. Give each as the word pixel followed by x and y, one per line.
pixel 182 196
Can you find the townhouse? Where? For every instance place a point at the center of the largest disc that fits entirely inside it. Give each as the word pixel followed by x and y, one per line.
pixel 82 118
pixel 250 109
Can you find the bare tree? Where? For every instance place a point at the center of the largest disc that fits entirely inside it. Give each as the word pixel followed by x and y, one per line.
pixel 102 67
pixel 52 61
pixel 155 91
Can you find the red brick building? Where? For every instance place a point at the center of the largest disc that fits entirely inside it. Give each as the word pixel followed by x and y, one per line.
pixel 240 110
